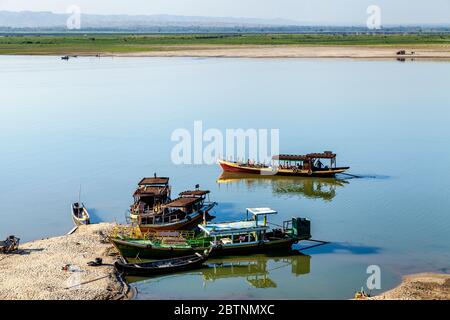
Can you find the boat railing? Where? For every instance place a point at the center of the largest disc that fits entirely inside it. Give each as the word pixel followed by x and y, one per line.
pixel 130 232
pixel 287 225
pixel 184 234
pixel 200 242
pixel 159 219
pixel 123 232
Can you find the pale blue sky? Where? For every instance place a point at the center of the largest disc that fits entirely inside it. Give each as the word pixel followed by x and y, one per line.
pixel 318 11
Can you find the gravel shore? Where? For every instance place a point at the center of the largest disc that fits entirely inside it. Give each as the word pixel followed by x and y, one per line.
pixel 421 286
pixel 436 52
pixel 36 271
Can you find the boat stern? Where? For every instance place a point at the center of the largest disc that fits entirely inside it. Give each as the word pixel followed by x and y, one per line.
pixel 301 228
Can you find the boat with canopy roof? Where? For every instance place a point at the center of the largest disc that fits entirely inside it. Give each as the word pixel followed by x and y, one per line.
pixel 252 235
pixel 150 195
pixel 309 165
pixel 182 213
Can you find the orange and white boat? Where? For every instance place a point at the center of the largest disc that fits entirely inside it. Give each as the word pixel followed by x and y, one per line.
pixel 309 165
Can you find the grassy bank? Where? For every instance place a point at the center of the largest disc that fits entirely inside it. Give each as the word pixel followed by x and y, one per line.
pixel 113 43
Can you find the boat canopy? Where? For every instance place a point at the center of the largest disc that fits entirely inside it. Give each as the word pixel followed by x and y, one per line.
pixel 153 181
pixel 261 211
pixel 290 157
pixel 181 202
pixel 323 155
pixel 227 228
pixel 194 193
pixel 306 157
pixel 151 191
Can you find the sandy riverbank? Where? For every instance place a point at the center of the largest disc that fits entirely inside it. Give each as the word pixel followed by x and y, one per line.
pixel 435 52
pixel 421 286
pixel 35 272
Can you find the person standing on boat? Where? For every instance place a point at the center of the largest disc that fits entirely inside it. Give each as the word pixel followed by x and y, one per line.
pixel 319 164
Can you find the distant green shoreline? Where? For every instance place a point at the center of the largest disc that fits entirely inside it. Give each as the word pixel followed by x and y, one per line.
pixel 128 43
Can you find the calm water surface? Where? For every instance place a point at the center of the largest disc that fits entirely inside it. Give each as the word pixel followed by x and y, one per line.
pixel 105 123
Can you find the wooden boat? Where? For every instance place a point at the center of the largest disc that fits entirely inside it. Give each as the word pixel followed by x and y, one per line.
pixel 227 238
pixel 80 215
pixel 9 245
pixel 149 196
pixel 255 236
pixel 309 165
pixel 162 244
pixel 161 266
pixel 183 213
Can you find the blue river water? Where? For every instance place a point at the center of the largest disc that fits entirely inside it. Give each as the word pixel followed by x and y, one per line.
pixel 105 123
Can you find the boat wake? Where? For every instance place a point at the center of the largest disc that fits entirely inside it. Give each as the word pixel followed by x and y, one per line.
pixel 348 176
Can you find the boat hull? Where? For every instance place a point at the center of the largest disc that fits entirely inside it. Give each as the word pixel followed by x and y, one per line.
pixel 80 221
pixel 257 247
pixel 185 224
pixel 234 167
pixel 151 269
pixel 129 249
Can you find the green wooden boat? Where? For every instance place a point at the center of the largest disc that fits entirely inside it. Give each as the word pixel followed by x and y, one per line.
pixel 159 248
pixel 225 238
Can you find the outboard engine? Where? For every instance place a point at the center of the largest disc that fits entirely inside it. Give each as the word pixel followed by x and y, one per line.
pixel 301 228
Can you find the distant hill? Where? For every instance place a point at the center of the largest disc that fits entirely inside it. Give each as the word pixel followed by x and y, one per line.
pixel 32 21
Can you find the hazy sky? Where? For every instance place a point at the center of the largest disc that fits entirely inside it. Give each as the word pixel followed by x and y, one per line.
pixel 319 11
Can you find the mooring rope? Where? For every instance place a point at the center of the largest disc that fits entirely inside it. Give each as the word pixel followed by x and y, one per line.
pixel 86 282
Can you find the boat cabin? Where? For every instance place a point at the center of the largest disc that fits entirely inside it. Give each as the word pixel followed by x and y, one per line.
pixel 255 230
pixel 252 230
pixel 150 195
pixel 173 211
pixel 310 161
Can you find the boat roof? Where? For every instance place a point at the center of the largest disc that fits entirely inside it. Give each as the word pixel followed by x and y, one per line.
pixel 150 190
pixel 224 228
pixel 323 155
pixel 194 193
pixel 290 157
pixel 261 211
pixel 181 202
pixel 309 156
pixel 153 181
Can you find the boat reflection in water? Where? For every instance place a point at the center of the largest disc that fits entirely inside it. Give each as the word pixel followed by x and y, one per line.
pixel 309 187
pixel 255 270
